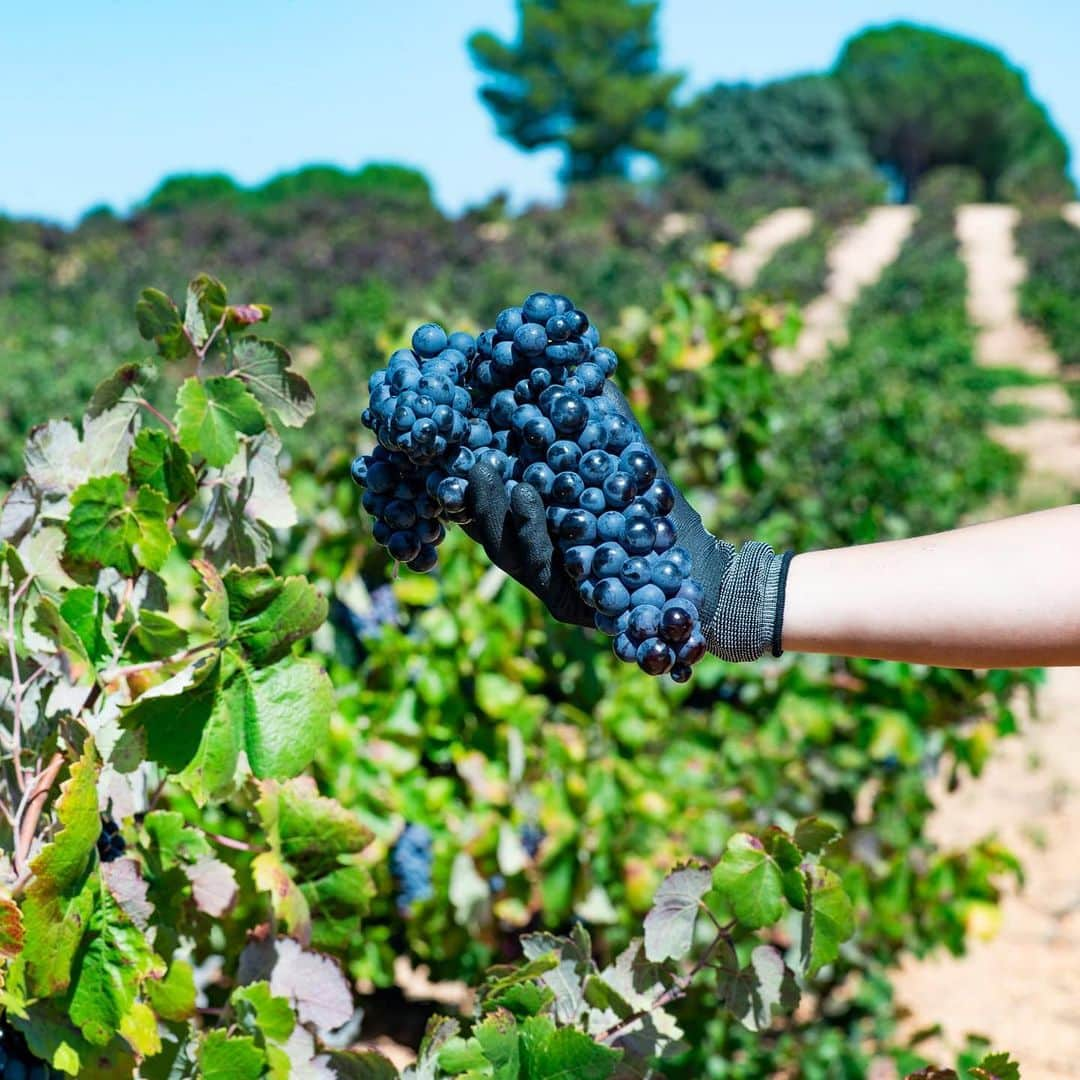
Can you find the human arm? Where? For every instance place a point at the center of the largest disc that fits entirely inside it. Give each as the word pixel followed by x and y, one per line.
pixel 1001 594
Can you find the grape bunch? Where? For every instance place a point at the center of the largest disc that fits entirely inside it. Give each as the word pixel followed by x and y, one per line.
pixel 410 863
pixel 110 844
pixel 527 397
pixel 16 1061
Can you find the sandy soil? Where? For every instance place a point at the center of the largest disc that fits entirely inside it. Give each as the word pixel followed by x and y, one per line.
pixel 856 260
pixel 764 239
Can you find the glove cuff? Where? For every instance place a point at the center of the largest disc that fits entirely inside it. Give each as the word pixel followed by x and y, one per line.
pixel 749 618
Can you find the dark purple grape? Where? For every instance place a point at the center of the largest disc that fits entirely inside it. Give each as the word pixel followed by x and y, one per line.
pixel 578 560
pixel 654 657
pixel 507 322
pixel 464 343
pixel 578 320
pixel 540 476
pixel 567 488
pixel 664 528
pixel 578 527
pixel 569 414
pixel 625 649
pixel 426 560
pixel 611 525
pixel 429 340
pixel 610 596
pixel 538 308
pixel 648 594
pixel 644 622
pixel 619 490
pixel 592 499
pixel 693 648
pixel 676 624
pixel 558 328
pixel 680 672
pixel 608 560
pixel 403 546
pixel 636 572
pixel 530 340
pixel 639 537
pixel 563 456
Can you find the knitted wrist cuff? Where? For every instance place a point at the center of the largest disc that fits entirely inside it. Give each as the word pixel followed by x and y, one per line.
pixel 749 612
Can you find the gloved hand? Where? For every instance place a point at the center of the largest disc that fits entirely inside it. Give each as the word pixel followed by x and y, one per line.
pixel 743 590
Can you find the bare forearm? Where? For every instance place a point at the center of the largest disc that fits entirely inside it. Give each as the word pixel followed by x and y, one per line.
pixel 1002 594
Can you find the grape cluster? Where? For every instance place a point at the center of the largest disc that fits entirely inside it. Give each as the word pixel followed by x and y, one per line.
pixel 16 1061
pixel 110 844
pixel 410 862
pixel 526 397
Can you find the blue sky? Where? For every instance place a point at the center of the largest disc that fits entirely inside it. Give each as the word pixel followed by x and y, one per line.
pixel 102 98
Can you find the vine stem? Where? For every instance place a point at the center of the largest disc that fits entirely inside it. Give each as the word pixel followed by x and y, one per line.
pixel 236 845
pixel 160 415
pixel 29 813
pixel 677 990
pixel 156 665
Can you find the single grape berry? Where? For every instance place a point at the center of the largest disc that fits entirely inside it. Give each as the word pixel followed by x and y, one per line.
pixel 654 657
pixel 538 308
pixel 429 340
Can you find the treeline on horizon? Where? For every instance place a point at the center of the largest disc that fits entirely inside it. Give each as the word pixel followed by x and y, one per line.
pixel 901 101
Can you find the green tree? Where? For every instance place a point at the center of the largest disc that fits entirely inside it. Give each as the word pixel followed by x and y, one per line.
pixel 796 129
pixel 925 98
pixel 581 75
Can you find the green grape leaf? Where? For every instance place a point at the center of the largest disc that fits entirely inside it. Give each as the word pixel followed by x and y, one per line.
pixel 159 321
pixel 814 835
pixel 257 1009
pixel 782 848
pixel 158 636
pixel 263 366
pixel 173 997
pixel 41 553
pixel 104 528
pixel 222 1056
pixel 463 1056
pixel 171 716
pixel 60 896
pixel 158 462
pixel 750 878
pixel 752 993
pixel 52 1036
pixel 211 416
pixel 996 1067
pixel 269 613
pixel 600 994
pixel 285 714
pixel 215 602
pixel 205 308
pixel 115 960
pixel 828 920
pixel 497 1037
pixel 669 926
pixel 126 385
pixel 311 832
pixel 62 638
pixel 567 979
pixel 229 534
pixel 550 1053
pixel 84 610
pixel 211 772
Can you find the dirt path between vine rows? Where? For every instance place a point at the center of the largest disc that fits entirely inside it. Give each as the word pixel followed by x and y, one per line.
pixel 857 258
pixel 764 239
pixel 1020 983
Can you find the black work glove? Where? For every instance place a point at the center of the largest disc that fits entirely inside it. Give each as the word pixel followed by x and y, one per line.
pixel 743 590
